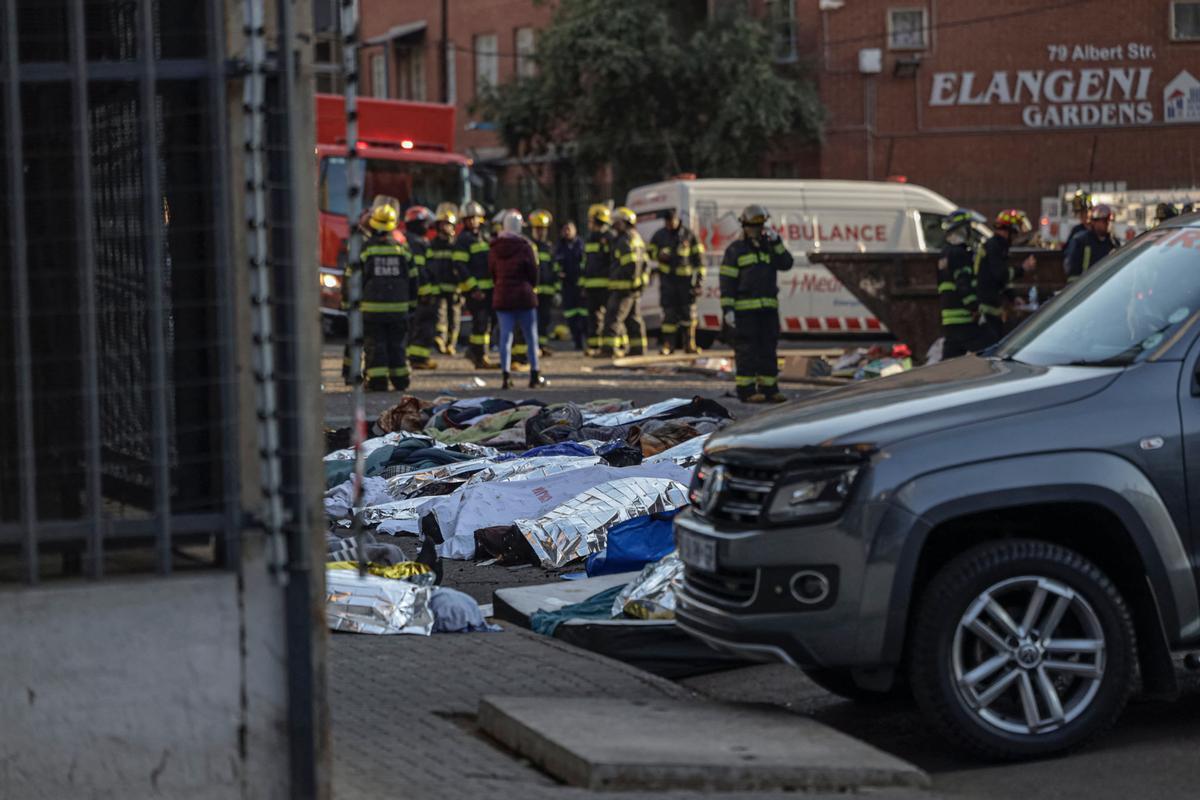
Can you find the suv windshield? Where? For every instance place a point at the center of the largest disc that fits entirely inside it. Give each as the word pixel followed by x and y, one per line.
pixel 1121 310
pixel 410 182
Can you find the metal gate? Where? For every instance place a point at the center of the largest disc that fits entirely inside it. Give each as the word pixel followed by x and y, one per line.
pixel 120 444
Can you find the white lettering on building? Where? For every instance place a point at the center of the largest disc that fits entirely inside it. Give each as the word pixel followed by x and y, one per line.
pixel 1058 98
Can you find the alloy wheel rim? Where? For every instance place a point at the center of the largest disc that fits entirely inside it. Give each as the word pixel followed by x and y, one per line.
pixel 1028 656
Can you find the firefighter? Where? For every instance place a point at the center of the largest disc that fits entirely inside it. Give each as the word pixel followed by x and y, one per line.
pixel 624 330
pixel 956 285
pixel 679 255
pixel 993 275
pixel 1081 206
pixel 568 262
pixel 389 291
pixel 440 263
pixel 597 254
pixel 1090 245
pixel 471 257
pixel 1162 213
pixel 549 283
pixel 424 335
pixel 750 302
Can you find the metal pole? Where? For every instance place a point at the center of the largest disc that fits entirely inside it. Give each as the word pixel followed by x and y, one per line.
pixel 225 282
pixel 254 105
pixel 86 253
pixel 302 681
pixel 20 298
pixel 152 221
pixel 444 55
pixel 353 285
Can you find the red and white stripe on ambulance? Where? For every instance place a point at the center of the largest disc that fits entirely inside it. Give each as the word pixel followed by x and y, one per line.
pixel 811 300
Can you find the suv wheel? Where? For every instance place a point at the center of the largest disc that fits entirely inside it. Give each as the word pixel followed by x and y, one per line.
pixel 1021 649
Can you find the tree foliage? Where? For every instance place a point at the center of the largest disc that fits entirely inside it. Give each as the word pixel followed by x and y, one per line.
pixel 631 84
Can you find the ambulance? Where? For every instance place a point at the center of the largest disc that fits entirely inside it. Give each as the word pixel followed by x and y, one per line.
pixel 809 215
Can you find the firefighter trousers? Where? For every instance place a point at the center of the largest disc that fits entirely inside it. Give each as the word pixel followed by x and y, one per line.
pixel 424 339
pixel 481 326
pixel 623 324
pixel 575 312
pixel 678 329
pixel 756 343
pixel 545 319
pixel 958 340
pixel 449 321
pixel 596 301
pixel 385 347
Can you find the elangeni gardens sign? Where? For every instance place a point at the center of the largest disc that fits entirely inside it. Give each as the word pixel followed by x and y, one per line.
pixel 1070 94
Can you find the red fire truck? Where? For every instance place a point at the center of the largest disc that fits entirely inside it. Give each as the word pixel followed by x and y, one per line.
pixel 405 150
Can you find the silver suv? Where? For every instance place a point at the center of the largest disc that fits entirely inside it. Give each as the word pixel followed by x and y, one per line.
pixel 1012 538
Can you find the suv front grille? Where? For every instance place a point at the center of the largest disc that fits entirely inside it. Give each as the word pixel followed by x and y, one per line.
pixel 733 587
pixel 744 493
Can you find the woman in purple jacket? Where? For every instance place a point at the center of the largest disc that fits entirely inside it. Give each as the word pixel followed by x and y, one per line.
pixel 514 269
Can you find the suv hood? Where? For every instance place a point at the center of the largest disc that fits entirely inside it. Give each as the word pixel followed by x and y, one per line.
pixel 883 411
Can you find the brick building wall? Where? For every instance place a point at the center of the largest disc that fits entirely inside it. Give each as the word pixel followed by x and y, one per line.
pixel 981 145
pixel 467 21
pixel 992 143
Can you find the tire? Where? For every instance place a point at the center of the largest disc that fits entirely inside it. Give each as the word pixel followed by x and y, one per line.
pixel 841 683
pixel 1014 691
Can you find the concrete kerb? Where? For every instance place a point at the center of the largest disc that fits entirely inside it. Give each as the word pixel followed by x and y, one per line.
pixel 671 744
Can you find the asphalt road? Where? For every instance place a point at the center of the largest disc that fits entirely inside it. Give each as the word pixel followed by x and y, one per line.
pixel 1154 751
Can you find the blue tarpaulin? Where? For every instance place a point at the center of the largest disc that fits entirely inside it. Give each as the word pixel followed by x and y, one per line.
pixel 634 544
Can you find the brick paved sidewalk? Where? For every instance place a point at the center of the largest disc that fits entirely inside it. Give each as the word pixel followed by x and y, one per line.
pixel 404 707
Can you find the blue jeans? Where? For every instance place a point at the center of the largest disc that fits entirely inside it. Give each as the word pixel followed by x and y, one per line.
pixel 509 321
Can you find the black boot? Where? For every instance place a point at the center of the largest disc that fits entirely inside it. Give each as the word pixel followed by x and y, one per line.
pixel 505 381
pixel 536 380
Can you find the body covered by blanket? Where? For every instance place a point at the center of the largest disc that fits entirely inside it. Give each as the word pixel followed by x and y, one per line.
pixel 459 515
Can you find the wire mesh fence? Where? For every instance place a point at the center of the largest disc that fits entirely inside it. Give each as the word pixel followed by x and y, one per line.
pixel 117 402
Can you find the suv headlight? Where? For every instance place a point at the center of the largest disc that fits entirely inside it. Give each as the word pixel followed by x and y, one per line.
pixel 811 494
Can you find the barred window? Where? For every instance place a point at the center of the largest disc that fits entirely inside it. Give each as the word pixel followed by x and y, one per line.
pixel 908 29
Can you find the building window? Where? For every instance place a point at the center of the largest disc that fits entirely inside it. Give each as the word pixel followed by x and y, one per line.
pixel 487 62
pixel 908 29
pixel 781 17
pixel 379 75
pixel 410 72
pixel 1185 21
pixel 526 65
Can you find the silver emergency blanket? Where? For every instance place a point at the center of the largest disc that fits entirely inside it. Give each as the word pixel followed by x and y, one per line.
pixel 686 454
pixel 579 527
pixel 408 510
pixel 408 484
pixel 520 469
pixel 371 604
pixel 371 445
pixel 652 594
pixel 635 414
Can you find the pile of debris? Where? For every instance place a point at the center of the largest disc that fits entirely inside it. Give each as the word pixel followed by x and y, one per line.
pixel 514 483
pixel 879 361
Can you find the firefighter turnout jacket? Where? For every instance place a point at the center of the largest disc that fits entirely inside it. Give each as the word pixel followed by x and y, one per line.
pixel 471 257
pixel 993 276
pixel 389 277
pixel 1084 250
pixel 678 254
pixel 748 273
pixel 956 285
pixel 597 255
pixel 549 277
pixel 628 271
